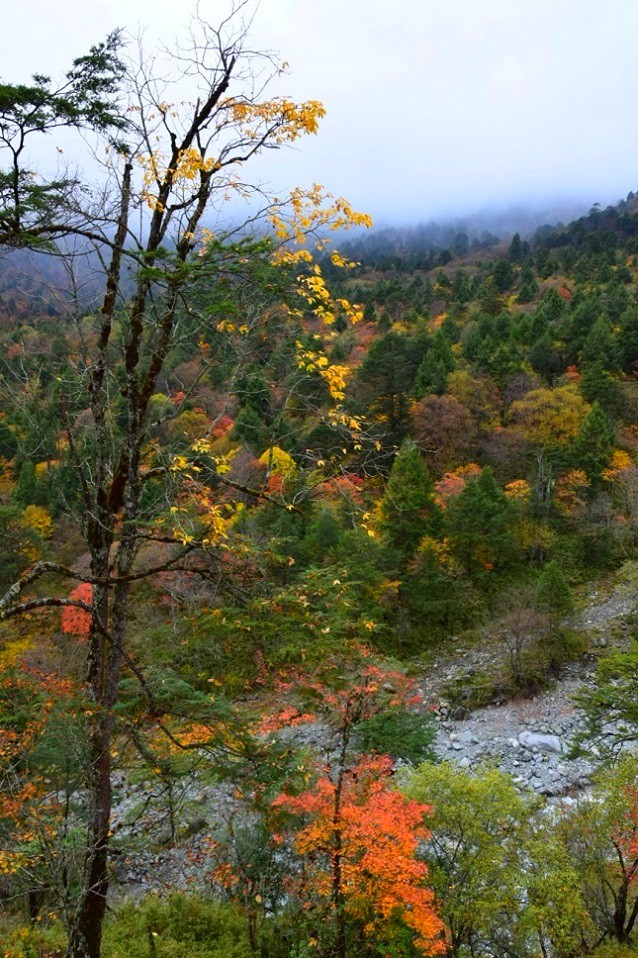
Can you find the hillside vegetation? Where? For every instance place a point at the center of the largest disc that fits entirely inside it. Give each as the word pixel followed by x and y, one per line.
pixel 250 487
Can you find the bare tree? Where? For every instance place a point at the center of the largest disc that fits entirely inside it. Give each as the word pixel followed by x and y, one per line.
pixel 523 624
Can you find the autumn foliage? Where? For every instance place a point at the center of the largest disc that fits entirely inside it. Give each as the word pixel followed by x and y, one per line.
pixel 358 841
pixel 76 621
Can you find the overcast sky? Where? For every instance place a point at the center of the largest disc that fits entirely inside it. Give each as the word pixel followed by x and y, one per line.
pixel 435 107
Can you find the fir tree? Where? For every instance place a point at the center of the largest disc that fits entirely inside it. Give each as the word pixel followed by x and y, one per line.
pixel 481 528
pixel 593 446
pixel 490 299
pixel 529 286
pixel 435 367
pixel 600 346
pixel 408 509
pixel 554 595
pixel 515 252
pixel 598 385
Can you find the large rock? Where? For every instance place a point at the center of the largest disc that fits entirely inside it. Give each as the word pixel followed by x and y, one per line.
pixel 546 743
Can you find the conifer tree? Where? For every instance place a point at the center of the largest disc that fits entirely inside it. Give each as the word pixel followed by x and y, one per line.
pixel 554 594
pixel 598 385
pixel 515 252
pixel 490 299
pixel 593 446
pixel 435 367
pixel 408 509
pixel 529 286
pixel 481 528
pixel 600 345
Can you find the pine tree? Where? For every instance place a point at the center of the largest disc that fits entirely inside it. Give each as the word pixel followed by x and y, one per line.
pixel 598 385
pixel 435 367
pixel 554 594
pixel 408 509
pixel 593 446
pixel 481 528
pixel 515 251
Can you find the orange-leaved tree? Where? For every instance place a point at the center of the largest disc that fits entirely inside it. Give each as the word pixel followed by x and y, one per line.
pixel 336 844
pixel 357 841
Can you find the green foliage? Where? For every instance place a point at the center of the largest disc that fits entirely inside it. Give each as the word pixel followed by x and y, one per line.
pixel 599 386
pixel 293 598
pixel 398 733
pixel 31 210
pixel 490 299
pixel 529 285
pixel 323 611
pixel 593 446
pixel 408 508
pixel 385 380
pixel 435 367
pixel 178 925
pixel 505 881
pixel 601 833
pixel 553 594
pixel 438 602
pixel 481 529
pixel 614 699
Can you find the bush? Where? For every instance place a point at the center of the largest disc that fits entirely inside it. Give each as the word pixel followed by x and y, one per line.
pixel 178 926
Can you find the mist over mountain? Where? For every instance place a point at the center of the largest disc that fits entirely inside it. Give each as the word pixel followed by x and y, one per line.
pixel 483 227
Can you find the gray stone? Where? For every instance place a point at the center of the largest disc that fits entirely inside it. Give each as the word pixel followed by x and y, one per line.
pixel 460 714
pixel 195 825
pixel 537 740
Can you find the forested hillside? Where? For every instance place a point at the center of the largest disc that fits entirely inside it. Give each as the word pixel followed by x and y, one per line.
pixel 253 486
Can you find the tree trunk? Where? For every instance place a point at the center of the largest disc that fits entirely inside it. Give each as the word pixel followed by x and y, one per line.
pixel 85 936
pixel 85 939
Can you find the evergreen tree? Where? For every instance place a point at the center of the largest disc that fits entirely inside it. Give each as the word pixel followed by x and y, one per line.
pixel 26 489
pixel 553 305
pixel 628 339
pixel 529 286
pixel 600 346
pixel 597 385
pixel 554 595
pixel 435 367
pixel 384 380
pixel 481 528
pixel 546 358
pixel 503 274
pixel 594 444
pixel 437 603
pixel 408 509
pixel 8 442
pixel 251 429
pixel 323 535
pixel 515 251
pixel 490 299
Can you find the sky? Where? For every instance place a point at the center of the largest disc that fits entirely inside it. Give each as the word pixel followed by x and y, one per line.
pixel 436 108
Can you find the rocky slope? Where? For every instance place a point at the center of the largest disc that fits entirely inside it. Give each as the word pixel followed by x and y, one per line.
pixel 529 739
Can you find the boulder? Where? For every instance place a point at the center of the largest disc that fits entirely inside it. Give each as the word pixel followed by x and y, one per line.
pixel 539 740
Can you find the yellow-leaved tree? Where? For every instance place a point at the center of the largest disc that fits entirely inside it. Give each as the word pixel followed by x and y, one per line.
pixel 176 138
